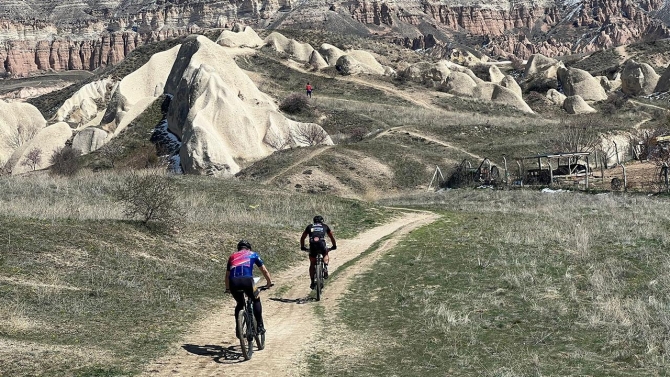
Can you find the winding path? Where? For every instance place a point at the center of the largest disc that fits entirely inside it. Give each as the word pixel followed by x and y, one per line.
pixel 211 349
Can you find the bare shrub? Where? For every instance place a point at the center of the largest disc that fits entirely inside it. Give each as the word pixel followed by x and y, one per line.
pixel 22 135
pixel 357 134
pixel 311 134
pixel 111 152
pixel 294 103
pixel 277 141
pixel 65 161
pixel 579 135
pixel 33 158
pixel 149 196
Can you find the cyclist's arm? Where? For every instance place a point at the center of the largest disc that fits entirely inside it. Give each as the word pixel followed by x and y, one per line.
pixel 332 239
pixel 227 280
pixel 266 274
pixel 302 239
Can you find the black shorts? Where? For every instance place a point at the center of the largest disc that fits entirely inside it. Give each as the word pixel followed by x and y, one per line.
pixel 242 284
pixel 317 248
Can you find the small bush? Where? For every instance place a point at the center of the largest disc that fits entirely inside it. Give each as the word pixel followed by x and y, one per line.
pixel 65 161
pixel 294 103
pixel 149 196
pixel 33 158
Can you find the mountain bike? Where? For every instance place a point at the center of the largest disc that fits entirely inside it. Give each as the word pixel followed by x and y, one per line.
pixel 248 328
pixel 319 275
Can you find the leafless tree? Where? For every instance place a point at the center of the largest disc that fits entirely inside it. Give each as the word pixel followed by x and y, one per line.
pixel 33 158
pixel 311 134
pixel 277 141
pixel 578 135
pixel 22 135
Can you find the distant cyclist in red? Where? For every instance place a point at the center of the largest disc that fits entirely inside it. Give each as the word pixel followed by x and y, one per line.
pixel 317 245
pixel 240 280
pixel 309 90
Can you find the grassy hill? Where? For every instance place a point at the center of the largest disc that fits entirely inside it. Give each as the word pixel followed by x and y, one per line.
pixel 507 283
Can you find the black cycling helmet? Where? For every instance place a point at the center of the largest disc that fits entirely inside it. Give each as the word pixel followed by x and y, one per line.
pixel 318 219
pixel 243 244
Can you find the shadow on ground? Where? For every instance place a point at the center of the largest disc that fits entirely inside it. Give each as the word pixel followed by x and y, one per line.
pixel 300 300
pixel 220 354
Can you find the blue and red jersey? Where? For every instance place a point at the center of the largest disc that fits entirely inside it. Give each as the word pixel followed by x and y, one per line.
pixel 241 263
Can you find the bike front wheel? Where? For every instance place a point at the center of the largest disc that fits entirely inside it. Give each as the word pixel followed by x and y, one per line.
pixel 245 335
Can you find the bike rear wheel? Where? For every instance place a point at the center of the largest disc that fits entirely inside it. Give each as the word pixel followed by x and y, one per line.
pixel 247 334
pixel 319 278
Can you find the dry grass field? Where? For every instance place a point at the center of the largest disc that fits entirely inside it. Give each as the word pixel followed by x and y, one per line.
pixel 505 283
pixel 512 283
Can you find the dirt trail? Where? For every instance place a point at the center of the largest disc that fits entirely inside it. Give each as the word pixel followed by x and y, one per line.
pixel 211 349
pixel 299 162
pixel 369 83
pixel 402 129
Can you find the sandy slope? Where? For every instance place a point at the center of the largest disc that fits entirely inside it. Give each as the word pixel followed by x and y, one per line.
pixel 211 348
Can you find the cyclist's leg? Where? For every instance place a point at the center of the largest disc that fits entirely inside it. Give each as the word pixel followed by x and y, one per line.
pixel 236 288
pixel 258 309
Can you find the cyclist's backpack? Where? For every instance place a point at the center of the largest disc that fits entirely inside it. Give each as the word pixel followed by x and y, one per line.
pixel 317 233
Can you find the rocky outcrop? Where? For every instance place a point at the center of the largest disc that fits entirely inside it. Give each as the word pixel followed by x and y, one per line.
pixel 221 118
pixel 240 36
pixel 609 85
pixel 330 53
pixel 510 83
pixel 359 62
pixel 556 97
pixel 541 74
pixel 577 82
pixel 638 78
pixel 89 140
pixel 19 123
pixel 316 61
pixel 460 84
pixel 577 105
pixel 82 107
pixel 296 50
pixel 495 76
pixel 663 82
pixel 47 141
pixel 96 34
pixel 538 63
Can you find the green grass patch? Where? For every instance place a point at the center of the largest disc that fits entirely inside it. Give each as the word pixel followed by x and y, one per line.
pixel 513 284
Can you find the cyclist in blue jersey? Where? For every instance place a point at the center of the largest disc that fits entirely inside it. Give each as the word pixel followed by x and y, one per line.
pixel 317 232
pixel 240 280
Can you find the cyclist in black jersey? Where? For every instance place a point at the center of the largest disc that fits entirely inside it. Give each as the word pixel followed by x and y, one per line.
pixel 317 232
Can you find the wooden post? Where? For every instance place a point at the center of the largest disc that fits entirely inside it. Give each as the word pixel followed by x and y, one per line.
pixel 602 172
pixel 616 151
pixel 665 176
pixel 596 152
pixel 551 173
pixel 520 177
pixel 587 172
pixel 506 173
pixel 539 163
pixel 625 178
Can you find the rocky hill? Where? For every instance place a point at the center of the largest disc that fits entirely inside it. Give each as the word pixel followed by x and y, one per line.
pixel 46 35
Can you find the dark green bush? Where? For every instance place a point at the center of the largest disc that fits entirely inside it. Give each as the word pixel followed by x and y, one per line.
pixel 65 161
pixel 294 103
